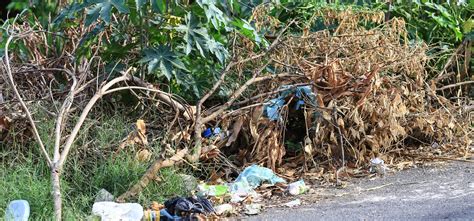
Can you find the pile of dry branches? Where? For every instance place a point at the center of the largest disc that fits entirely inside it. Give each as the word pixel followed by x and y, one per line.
pixel 373 99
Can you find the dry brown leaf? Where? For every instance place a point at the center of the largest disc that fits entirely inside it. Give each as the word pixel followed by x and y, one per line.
pixel 235 131
pixel 143 155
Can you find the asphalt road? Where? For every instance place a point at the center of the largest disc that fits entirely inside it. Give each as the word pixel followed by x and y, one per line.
pixel 434 192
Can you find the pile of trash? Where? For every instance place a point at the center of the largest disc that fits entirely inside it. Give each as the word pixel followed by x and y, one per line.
pixel 207 202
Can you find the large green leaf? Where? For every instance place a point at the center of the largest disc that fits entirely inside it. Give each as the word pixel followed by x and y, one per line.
pixel 213 14
pixel 103 9
pixel 194 35
pixel 158 5
pixel 68 12
pixel 197 36
pixel 162 57
pixel 93 33
pixel 247 30
pixel 217 49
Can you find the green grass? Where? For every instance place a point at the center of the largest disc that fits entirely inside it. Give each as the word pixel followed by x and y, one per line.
pixel 91 166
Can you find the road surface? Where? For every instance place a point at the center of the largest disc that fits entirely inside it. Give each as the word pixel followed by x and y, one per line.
pixel 433 192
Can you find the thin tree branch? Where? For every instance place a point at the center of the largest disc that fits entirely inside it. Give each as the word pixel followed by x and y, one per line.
pixel 239 92
pixel 63 111
pixel 454 85
pixel 85 112
pixel 23 105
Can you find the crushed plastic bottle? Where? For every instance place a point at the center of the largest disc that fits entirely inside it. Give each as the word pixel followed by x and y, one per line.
pixel 377 166
pixel 297 188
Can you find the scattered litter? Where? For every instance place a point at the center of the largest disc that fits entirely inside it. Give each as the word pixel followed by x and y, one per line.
pixel 251 178
pixel 240 190
pixel 110 211
pixel 212 190
pixel 153 214
pixel 297 188
pixel 156 206
pixel 237 197
pixel 17 210
pixel 242 195
pixel 253 209
pixel 377 166
pixel 223 209
pixel 104 196
pixel 293 203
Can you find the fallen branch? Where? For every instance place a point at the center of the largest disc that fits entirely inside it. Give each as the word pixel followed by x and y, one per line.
pixel 151 174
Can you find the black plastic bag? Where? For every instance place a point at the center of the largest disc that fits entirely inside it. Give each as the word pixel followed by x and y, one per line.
pixel 184 206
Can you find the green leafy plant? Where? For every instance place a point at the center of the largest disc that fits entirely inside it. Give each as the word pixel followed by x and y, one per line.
pixel 103 9
pixel 163 57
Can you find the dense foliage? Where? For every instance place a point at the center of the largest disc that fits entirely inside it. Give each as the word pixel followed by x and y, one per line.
pixel 186 43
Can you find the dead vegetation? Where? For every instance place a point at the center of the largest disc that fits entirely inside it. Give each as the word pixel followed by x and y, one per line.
pixel 372 99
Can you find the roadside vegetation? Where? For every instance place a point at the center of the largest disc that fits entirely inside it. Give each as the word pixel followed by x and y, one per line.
pixel 93 74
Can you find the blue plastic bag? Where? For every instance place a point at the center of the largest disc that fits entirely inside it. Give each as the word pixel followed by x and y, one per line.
pixel 272 107
pixel 253 176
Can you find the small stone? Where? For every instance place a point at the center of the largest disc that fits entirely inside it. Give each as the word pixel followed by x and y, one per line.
pixel 17 210
pixel 190 182
pixel 253 209
pixel 293 203
pixel 110 211
pixel 104 196
pixel 223 209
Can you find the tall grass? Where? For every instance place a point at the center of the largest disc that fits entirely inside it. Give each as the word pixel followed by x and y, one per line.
pixel 92 165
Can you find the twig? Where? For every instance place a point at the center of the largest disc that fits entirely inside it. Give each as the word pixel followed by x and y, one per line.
pixel 341 144
pixel 239 92
pixel 450 60
pixel 102 91
pixel 270 93
pixel 165 97
pixel 454 85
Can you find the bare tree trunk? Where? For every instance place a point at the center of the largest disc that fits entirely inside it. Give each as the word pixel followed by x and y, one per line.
pixel 56 193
